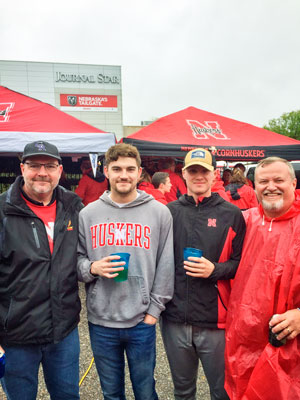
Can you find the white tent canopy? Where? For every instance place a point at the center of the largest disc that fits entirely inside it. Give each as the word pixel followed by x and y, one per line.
pixel 24 120
pixel 69 144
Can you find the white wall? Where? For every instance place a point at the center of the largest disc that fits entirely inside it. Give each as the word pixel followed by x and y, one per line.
pixel 39 80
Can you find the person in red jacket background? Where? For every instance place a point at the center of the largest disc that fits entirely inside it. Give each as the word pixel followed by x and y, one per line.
pixel 90 187
pixel 239 193
pixel 147 186
pixel 161 181
pixel 263 321
pixel 178 186
pixel 145 182
pixel 226 175
pixel 243 169
pixel 218 186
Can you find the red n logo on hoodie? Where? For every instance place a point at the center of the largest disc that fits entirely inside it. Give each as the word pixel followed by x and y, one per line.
pixel 212 222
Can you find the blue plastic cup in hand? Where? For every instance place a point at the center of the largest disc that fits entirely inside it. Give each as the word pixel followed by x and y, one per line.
pixel 191 252
pixel 2 363
pixel 123 275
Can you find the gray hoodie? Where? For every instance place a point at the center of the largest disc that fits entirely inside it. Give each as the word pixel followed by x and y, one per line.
pixel 142 228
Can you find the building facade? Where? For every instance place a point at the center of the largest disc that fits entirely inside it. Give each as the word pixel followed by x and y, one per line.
pixel 91 93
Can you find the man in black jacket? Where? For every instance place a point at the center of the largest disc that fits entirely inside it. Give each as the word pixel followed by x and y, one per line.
pixel 194 320
pixel 39 302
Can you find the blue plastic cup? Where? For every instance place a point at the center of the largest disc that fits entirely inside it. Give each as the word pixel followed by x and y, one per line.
pixel 2 364
pixel 191 252
pixel 123 275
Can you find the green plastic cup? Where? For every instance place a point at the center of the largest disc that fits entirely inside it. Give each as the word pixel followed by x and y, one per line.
pixel 123 275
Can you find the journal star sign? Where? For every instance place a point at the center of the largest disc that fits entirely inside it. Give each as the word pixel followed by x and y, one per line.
pixel 100 78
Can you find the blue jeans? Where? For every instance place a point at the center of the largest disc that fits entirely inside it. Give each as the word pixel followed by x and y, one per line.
pixel 60 366
pixel 109 346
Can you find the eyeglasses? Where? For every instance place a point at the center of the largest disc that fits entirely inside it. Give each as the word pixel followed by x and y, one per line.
pixel 37 166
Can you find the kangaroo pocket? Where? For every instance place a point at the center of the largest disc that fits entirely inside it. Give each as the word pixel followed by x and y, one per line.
pixel 118 301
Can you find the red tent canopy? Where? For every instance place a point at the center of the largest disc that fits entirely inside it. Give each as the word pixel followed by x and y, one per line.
pixel 177 133
pixel 24 119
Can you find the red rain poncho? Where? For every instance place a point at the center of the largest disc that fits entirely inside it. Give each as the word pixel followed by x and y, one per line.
pixel 267 282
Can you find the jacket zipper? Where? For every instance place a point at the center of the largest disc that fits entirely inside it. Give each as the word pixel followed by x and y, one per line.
pixel 187 290
pixel 187 298
pixel 220 297
pixel 35 234
pixel 8 314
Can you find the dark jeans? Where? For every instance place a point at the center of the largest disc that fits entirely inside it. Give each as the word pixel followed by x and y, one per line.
pixel 60 366
pixel 109 346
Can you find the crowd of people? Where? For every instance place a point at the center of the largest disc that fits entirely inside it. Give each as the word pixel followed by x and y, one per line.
pixel 234 306
pixel 164 181
pixel 233 186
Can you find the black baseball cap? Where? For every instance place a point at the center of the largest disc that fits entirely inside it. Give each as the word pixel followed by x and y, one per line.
pixel 40 148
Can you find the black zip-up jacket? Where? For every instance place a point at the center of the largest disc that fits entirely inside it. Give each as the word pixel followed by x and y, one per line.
pixel 217 227
pixel 39 301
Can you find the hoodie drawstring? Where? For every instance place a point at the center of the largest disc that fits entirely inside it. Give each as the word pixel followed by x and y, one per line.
pixel 270 228
pixel 271 222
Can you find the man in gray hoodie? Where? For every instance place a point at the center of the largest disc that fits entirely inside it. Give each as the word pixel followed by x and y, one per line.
pixel 122 315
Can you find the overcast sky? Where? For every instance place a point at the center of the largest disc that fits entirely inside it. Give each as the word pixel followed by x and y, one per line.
pixel 237 58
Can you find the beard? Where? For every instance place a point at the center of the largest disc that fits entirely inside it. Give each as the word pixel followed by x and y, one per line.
pixel 272 206
pixel 41 189
pixel 124 191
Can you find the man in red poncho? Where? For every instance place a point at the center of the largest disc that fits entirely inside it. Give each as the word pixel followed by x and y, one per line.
pixel 265 297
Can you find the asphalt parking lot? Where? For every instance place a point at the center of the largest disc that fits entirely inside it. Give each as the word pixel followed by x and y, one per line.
pixel 90 387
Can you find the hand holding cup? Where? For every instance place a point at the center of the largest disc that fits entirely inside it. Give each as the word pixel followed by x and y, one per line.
pixel 108 267
pixel 123 274
pixel 195 264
